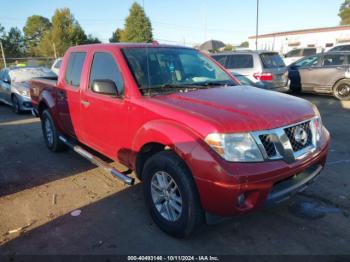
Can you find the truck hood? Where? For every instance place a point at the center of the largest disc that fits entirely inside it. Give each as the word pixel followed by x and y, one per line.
pixel 239 108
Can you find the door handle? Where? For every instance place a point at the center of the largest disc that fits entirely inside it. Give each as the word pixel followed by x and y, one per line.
pixel 85 103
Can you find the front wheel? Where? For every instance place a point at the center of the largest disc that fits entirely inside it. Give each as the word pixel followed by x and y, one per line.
pixel 15 104
pixel 50 132
pixel 341 90
pixel 171 194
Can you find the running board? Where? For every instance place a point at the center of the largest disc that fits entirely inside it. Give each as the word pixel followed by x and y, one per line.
pixel 98 162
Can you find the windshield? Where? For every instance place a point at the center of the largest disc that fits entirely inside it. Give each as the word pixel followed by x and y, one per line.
pixel 272 60
pixel 27 73
pixel 164 69
pixel 308 61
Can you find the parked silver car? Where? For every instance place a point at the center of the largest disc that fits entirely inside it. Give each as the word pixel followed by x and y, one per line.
pixel 264 68
pixel 14 86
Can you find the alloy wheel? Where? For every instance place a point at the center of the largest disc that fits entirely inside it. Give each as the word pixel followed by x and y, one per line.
pixel 166 196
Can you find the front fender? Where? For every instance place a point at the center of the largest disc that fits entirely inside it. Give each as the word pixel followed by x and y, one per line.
pixel 179 138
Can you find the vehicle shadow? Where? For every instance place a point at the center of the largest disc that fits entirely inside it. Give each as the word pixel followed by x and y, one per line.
pixel 25 161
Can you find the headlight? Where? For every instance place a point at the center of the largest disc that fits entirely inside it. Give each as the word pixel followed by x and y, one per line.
pixel 235 147
pixel 317 124
pixel 24 92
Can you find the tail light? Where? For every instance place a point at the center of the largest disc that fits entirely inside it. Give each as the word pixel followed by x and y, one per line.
pixel 263 76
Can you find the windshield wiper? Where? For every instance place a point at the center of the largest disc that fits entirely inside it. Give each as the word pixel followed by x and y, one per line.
pixel 168 88
pixel 215 83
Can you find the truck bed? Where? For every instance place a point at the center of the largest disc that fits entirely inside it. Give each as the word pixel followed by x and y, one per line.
pixel 39 85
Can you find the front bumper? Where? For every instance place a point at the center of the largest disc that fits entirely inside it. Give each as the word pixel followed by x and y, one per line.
pixel 25 103
pixel 223 185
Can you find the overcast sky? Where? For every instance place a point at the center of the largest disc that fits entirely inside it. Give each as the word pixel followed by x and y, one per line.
pixel 184 21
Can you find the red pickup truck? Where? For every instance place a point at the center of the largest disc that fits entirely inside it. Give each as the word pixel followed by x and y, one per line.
pixel 200 142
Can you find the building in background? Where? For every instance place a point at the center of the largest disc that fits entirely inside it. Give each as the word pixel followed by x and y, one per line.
pixel 283 42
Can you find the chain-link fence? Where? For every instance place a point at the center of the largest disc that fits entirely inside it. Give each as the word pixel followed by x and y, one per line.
pixel 27 61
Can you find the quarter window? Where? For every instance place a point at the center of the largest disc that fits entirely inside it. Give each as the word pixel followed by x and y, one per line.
pixel 104 67
pixel 240 61
pixel 74 68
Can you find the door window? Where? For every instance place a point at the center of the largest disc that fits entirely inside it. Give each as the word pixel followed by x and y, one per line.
pixel 74 68
pixel 222 59
pixel 308 61
pixel 309 51
pixel 104 67
pixel 294 53
pixel 334 60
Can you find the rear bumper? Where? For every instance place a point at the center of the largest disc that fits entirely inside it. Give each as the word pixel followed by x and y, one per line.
pixel 223 185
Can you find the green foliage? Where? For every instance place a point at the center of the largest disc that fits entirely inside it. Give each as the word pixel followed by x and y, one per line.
pixel 116 36
pixel 244 44
pixel 344 13
pixel 34 30
pixel 138 27
pixel 92 40
pixel 64 33
pixel 229 47
pixel 13 43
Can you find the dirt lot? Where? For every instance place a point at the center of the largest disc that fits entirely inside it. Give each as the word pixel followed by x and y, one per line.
pixel 39 189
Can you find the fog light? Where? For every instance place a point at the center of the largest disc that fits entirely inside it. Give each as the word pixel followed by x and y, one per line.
pixel 241 200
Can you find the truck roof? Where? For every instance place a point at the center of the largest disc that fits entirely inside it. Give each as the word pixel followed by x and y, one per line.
pixel 123 45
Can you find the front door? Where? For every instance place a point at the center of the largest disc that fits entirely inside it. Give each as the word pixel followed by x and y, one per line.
pixel 104 118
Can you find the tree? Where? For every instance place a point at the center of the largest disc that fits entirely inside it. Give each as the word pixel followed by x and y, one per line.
pixel 344 13
pixel 13 43
pixel 244 44
pixel 64 33
pixel 138 27
pixel 92 40
pixel 116 36
pixel 229 47
pixel 34 30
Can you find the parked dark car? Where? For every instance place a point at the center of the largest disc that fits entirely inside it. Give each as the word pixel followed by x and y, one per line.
pixel 265 69
pixel 322 73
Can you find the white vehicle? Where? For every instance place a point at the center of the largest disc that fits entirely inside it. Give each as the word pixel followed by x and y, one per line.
pixel 345 47
pixel 296 54
pixel 56 65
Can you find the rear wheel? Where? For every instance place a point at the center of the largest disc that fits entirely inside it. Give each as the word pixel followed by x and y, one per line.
pixel 50 132
pixel 15 104
pixel 341 90
pixel 171 194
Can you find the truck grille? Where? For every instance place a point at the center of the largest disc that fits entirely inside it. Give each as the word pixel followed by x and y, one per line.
pixel 290 132
pixel 268 145
pixel 289 143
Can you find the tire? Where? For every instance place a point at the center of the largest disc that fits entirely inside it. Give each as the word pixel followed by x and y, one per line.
pixel 50 133
pixel 183 220
pixel 15 105
pixel 341 90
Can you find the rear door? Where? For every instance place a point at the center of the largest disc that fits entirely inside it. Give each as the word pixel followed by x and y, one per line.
pixel 104 117
pixel 68 94
pixel 333 68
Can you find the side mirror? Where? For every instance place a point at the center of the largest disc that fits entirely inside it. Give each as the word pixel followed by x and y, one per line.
pixel 105 87
pixel 7 80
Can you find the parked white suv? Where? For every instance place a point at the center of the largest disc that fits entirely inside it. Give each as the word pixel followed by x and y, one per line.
pixel 296 54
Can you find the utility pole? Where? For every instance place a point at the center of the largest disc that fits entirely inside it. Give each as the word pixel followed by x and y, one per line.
pixel 54 50
pixel 3 54
pixel 257 25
